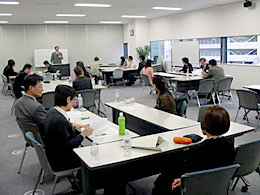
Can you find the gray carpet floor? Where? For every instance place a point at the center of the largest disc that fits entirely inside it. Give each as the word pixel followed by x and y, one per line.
pixel 12 141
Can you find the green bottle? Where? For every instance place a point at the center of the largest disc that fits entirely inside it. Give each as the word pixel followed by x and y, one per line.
pixel 121 124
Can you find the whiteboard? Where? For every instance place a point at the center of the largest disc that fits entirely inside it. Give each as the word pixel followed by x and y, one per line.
pixel 40 55
pixel 189 49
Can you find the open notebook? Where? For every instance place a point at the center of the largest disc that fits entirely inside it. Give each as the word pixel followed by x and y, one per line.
pixel 156 143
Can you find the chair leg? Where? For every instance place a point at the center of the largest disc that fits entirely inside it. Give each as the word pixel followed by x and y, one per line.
pixel 34 190
pixel 213 98
pixel 21 164
pixel 237 114
pixel 218 99
pixel 54 184
pixel 257 121
pixel 198 100
pixel 245 181
pixel 42 177
pixel 12 109
pixel 235 184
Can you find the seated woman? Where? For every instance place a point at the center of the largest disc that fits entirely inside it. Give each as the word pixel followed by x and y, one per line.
pixel 164 101
pixel 148 70
pixel 187 67
pixel 9 69
pixel 215 151
pixel 81 64
pixel 123 62
pixel 81 82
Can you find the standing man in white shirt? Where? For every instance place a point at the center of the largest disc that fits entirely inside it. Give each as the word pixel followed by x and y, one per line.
pixel 56 56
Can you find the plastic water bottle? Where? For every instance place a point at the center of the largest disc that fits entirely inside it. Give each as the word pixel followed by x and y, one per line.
pixel 99 82
pixel 80 100
pixel 94 152
pixel 127 145
pixel 121 124
pixel 117 96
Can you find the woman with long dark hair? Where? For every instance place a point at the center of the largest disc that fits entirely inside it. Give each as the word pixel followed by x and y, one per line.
pixel 164 101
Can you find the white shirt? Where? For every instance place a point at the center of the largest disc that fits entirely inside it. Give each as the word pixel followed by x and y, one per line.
pixel 62 112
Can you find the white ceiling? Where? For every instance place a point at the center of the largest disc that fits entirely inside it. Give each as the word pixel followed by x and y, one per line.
pixel 37 11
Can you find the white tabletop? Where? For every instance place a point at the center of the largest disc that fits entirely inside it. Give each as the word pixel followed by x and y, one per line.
pixel 50 87
pixel 155 116
pixel 179 77
pixel 254 87
pixel 107 131
pixel 114 152
pixel 111 69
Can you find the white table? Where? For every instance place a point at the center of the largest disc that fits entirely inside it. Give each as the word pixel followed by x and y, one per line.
pixel 113 163
pixel 145 120
pixel 253 87
pixel 110 133
pixel 108 71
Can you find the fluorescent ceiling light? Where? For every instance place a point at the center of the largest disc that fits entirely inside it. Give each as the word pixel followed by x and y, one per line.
pixel 132 16
pixel 110 22
pixel 3 22
pixel 9 2
pixel 71 15
pixel 168 8
pixel 5 14
pixel 56 22
pixel 92 5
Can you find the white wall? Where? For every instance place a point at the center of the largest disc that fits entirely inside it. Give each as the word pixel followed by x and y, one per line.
pixel 84 42
pixel 226 20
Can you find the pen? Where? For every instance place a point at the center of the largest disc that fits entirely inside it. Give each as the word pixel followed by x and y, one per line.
pixel 100 134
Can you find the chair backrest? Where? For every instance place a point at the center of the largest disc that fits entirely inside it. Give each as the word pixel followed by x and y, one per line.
pixel 89 97
pixel 248 156
pixel 40 153
pixel 206 86
pixel 4 78
pixel 247 99
pixel 27 125
pixel 212 181
pixel 225 84
pixel 118 73
pixel 48 100
pixel 145 80
pixel 201 111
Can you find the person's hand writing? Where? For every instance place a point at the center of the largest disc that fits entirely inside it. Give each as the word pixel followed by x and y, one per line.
pixel 86 131
pixel 204 73
pixel 176 183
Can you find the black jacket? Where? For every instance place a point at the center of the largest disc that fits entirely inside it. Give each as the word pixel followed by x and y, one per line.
pixel 18 83
pixel 9 71
pixel 186 68
pixel 60 140
pixel 82 83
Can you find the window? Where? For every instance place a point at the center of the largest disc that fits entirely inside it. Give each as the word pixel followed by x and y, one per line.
pixel 243 49
pixel 210 48
pixel 161 48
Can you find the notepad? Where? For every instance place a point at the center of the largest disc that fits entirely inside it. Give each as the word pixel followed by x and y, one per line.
pixel 150 143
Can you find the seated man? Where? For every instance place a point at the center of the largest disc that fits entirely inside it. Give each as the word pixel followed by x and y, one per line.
pixel 62 136
pixel 215 151
pixel 18 85
pixel 27 109
pixel 81 82
pixel 215 72
pixel 50 68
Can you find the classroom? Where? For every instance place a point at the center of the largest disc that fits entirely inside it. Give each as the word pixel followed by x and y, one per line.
pixel 129 97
